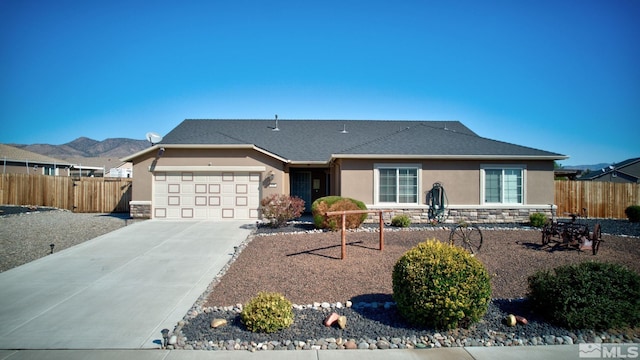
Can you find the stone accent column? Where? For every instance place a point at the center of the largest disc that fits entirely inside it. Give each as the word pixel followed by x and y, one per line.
pixel 140 209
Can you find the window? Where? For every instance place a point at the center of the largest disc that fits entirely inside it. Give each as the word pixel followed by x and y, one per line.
pixel 397 184
pixel 503 185
pixel 49 170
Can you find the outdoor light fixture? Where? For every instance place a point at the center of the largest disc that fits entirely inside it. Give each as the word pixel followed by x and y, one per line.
pixel 165 338
pixel 160 152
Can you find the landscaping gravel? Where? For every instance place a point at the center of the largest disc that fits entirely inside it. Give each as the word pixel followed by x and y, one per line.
pixel 304 265
pixel 27 232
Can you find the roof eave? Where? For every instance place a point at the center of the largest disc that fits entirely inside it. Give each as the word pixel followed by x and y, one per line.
pixel 38 162
pixel 312 162
pixel 202 146
pixel 449 157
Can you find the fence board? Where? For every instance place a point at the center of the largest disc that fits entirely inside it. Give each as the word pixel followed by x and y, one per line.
pixel 601 199
pixel 101 195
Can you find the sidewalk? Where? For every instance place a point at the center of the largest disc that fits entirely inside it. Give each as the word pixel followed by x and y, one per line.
pixel 555 352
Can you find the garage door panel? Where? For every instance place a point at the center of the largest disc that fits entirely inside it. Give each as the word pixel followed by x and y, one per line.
pixel 173 213
pixel 228 201
pixel 210 195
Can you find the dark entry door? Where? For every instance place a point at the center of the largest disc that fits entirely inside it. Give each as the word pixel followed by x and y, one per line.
pixel 301 187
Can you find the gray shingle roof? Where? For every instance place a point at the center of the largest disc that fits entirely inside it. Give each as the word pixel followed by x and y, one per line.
pixel 11 153
pixel 320 140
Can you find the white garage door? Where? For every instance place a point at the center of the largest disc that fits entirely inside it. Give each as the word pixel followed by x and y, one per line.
pixel 206 195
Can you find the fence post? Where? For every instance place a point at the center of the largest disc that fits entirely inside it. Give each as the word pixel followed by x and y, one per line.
pixel 344 237
pixel 381 247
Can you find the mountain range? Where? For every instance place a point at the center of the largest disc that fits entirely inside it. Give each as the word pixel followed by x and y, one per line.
pixel 88 148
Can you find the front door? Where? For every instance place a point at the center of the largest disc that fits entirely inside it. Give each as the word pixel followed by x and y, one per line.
pixel 301 187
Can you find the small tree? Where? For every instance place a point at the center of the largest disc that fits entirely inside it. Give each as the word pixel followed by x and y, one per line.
pixel 279 209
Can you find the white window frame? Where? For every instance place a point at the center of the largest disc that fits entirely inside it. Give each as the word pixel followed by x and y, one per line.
pixel 503 167
pixel 376 183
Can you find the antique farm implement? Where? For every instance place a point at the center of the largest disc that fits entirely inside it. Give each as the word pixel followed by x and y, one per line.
pixel 573 234
pixel 468 236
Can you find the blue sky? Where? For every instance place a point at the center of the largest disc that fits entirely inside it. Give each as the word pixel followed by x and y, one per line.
pixel 561 76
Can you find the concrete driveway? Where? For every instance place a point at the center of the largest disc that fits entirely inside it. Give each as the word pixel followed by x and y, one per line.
pixel 116 291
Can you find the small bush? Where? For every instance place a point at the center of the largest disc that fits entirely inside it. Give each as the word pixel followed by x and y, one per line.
pixel 401 221
pixel 337 203
pixel 589 295
pixel 633 213
pixel 538 220
pixel 279 209
pixel 267 312
pixel 440 285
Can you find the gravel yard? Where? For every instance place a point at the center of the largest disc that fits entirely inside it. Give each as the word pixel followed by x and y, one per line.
pixel 26 233
pixel 306 268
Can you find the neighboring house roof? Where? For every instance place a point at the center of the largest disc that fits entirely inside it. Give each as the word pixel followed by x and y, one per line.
pixel 322 140
pixel 628 168
pixel 14 154
pixel 97 162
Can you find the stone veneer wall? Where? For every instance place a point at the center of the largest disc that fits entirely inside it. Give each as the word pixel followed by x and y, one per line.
pixel 421 216
pixel 140 210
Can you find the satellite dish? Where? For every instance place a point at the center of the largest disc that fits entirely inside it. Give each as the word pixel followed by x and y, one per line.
pixel 153 138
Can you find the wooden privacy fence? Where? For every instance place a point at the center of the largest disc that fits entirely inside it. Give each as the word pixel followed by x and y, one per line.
pixel 103 195
pixel 90 195
pixel 601 199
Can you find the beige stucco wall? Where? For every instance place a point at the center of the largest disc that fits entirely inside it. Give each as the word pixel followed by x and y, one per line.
pixel 460 178
pixel 143 179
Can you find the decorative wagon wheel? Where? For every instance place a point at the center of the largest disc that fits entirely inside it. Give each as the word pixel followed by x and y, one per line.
pixel 596 237
pixel 468 235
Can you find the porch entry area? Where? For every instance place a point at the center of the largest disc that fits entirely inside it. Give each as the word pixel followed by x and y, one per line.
pixel 309 184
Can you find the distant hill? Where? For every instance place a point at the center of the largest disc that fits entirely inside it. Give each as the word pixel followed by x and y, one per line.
pixel 85 147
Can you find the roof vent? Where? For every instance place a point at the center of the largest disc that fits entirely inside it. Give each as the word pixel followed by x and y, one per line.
pixel 276 128
pixel 344 129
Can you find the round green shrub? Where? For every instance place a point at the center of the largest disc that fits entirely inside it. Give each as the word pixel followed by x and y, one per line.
pixel 337 203
pixel 538 220
pixel 440 285
pixel 401 221
pixel 267 312
pixel 633 213
pixel 589 295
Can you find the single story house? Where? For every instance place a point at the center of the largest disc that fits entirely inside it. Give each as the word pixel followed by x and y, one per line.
pixel 20 161
pixel 221 169
pixel 627 171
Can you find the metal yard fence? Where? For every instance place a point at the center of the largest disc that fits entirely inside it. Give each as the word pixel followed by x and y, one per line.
pixel 86 195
